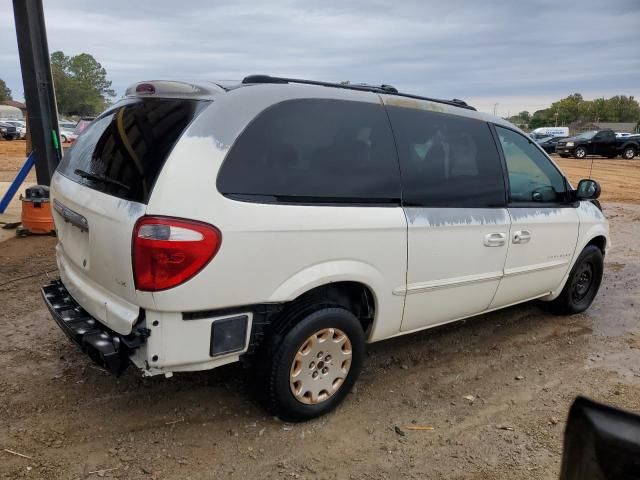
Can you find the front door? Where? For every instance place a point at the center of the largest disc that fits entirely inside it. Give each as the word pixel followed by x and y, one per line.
pixel 544 226
pixel 455 203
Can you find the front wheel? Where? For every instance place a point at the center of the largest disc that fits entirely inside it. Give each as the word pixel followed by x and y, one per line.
pixel 629 153
pixel 582 285
pixel 580 152
pixel 315 364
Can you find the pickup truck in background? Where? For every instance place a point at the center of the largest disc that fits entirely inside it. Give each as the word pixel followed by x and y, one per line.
pixel 602 143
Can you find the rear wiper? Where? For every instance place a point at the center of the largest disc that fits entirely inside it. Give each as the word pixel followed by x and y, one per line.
pixel 96 177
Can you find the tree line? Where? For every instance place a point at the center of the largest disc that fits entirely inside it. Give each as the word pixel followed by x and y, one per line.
pixel 80 84
pixel 574 108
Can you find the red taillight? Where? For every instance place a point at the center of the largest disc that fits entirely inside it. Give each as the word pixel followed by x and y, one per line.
pixel 169 251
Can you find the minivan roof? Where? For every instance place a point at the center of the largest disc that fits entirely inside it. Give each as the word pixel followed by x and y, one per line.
pixel 208 90
pixel 387 89
pixel 170 88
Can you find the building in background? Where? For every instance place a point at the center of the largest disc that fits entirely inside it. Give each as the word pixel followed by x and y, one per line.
pixel 12 110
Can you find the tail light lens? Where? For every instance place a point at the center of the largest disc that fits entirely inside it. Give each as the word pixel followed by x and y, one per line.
pixel 169 251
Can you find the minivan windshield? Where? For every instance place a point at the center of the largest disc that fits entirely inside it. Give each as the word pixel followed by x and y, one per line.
pixel 122 151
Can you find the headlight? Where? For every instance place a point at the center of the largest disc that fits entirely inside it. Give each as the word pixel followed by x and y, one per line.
pixel 570 144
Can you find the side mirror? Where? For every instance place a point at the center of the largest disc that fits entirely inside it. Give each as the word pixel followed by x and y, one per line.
pixel 588 190
pixel 600 443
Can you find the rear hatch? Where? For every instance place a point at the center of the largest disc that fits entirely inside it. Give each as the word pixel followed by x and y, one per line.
pixel 101 189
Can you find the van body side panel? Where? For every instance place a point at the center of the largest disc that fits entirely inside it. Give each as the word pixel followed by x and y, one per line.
pixel 274 252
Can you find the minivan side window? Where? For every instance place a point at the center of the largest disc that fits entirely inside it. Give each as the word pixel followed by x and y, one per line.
pixel 447 160
pixel 532 176
pixel 314 151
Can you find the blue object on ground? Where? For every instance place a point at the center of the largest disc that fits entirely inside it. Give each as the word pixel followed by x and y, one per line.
pixel 13 188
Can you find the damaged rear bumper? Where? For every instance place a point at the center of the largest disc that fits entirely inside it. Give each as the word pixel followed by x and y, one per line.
pixel 105 347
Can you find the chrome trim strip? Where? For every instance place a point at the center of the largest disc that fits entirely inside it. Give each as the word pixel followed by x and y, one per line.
pixel 535 268
pixel 422 287
pixel 68 215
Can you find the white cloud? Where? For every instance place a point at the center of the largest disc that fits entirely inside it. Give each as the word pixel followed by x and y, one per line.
pixel 522 55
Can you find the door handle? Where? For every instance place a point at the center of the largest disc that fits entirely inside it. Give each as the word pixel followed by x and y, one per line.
pixel 521 236
pixel 495 239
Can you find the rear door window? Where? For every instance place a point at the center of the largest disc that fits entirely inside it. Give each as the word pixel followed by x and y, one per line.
pixel 447 160
pixel 314 150
pixel 122 152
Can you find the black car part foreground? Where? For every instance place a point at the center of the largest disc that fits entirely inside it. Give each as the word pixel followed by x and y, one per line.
pixel 600 443
pixel 105 347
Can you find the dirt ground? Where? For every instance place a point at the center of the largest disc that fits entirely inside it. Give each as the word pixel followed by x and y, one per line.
pixel 523 367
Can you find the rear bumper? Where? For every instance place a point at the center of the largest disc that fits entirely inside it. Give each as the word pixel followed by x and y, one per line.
pixel 105 347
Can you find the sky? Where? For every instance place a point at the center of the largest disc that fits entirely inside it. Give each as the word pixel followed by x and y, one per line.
pixel 508 55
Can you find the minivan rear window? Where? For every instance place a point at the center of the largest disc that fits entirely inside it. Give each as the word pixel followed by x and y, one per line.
pixel 314 151
pixel 122 152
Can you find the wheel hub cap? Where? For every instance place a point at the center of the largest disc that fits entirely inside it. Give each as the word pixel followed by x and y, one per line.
pixel 582 281
pixel 320 366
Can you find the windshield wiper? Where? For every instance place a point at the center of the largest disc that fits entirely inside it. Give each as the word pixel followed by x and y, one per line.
pixel 96 177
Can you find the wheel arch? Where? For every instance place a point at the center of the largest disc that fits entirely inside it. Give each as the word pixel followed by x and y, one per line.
pixel 597 236
pixel 354 296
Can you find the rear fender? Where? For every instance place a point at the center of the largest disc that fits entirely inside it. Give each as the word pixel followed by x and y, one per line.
pixel 387 306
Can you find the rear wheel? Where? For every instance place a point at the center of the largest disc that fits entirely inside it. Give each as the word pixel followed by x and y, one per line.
pixel 314 365
pixel 580 152
pixel 582 285
pixel 629 153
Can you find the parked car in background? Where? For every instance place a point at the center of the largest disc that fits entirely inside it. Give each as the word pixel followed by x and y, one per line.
pixel 66 130
pixel 599 142
pixel 548 144
pixel 21 127
pixel 80 127
pixel 177 209
pixel 9 131
pixel 544 132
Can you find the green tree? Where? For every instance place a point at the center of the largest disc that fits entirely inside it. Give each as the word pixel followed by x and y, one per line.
pixel 5 92
pixel 81 84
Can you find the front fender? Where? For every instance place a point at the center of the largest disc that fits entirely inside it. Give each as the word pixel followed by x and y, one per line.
pixel 592 225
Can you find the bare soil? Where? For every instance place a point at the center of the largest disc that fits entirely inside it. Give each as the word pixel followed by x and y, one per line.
pixel 519 368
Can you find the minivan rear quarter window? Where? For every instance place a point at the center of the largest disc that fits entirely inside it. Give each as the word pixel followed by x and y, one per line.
pixel 447 160
pixel 122 152
pixel 314 151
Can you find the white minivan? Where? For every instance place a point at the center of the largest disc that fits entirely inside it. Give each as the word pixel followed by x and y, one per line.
pixel 289 222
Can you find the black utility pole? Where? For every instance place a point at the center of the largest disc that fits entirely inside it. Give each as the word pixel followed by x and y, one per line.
pixel 40 97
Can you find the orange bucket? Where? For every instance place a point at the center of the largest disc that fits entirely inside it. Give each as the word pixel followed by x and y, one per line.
pixel 36 211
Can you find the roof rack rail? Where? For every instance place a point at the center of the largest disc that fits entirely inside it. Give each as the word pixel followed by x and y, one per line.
pixel 388 89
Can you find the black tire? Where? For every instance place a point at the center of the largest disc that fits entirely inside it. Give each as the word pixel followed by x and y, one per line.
pixel 281 353
pixel 580 153
pixel 629 153
pixel 582 285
